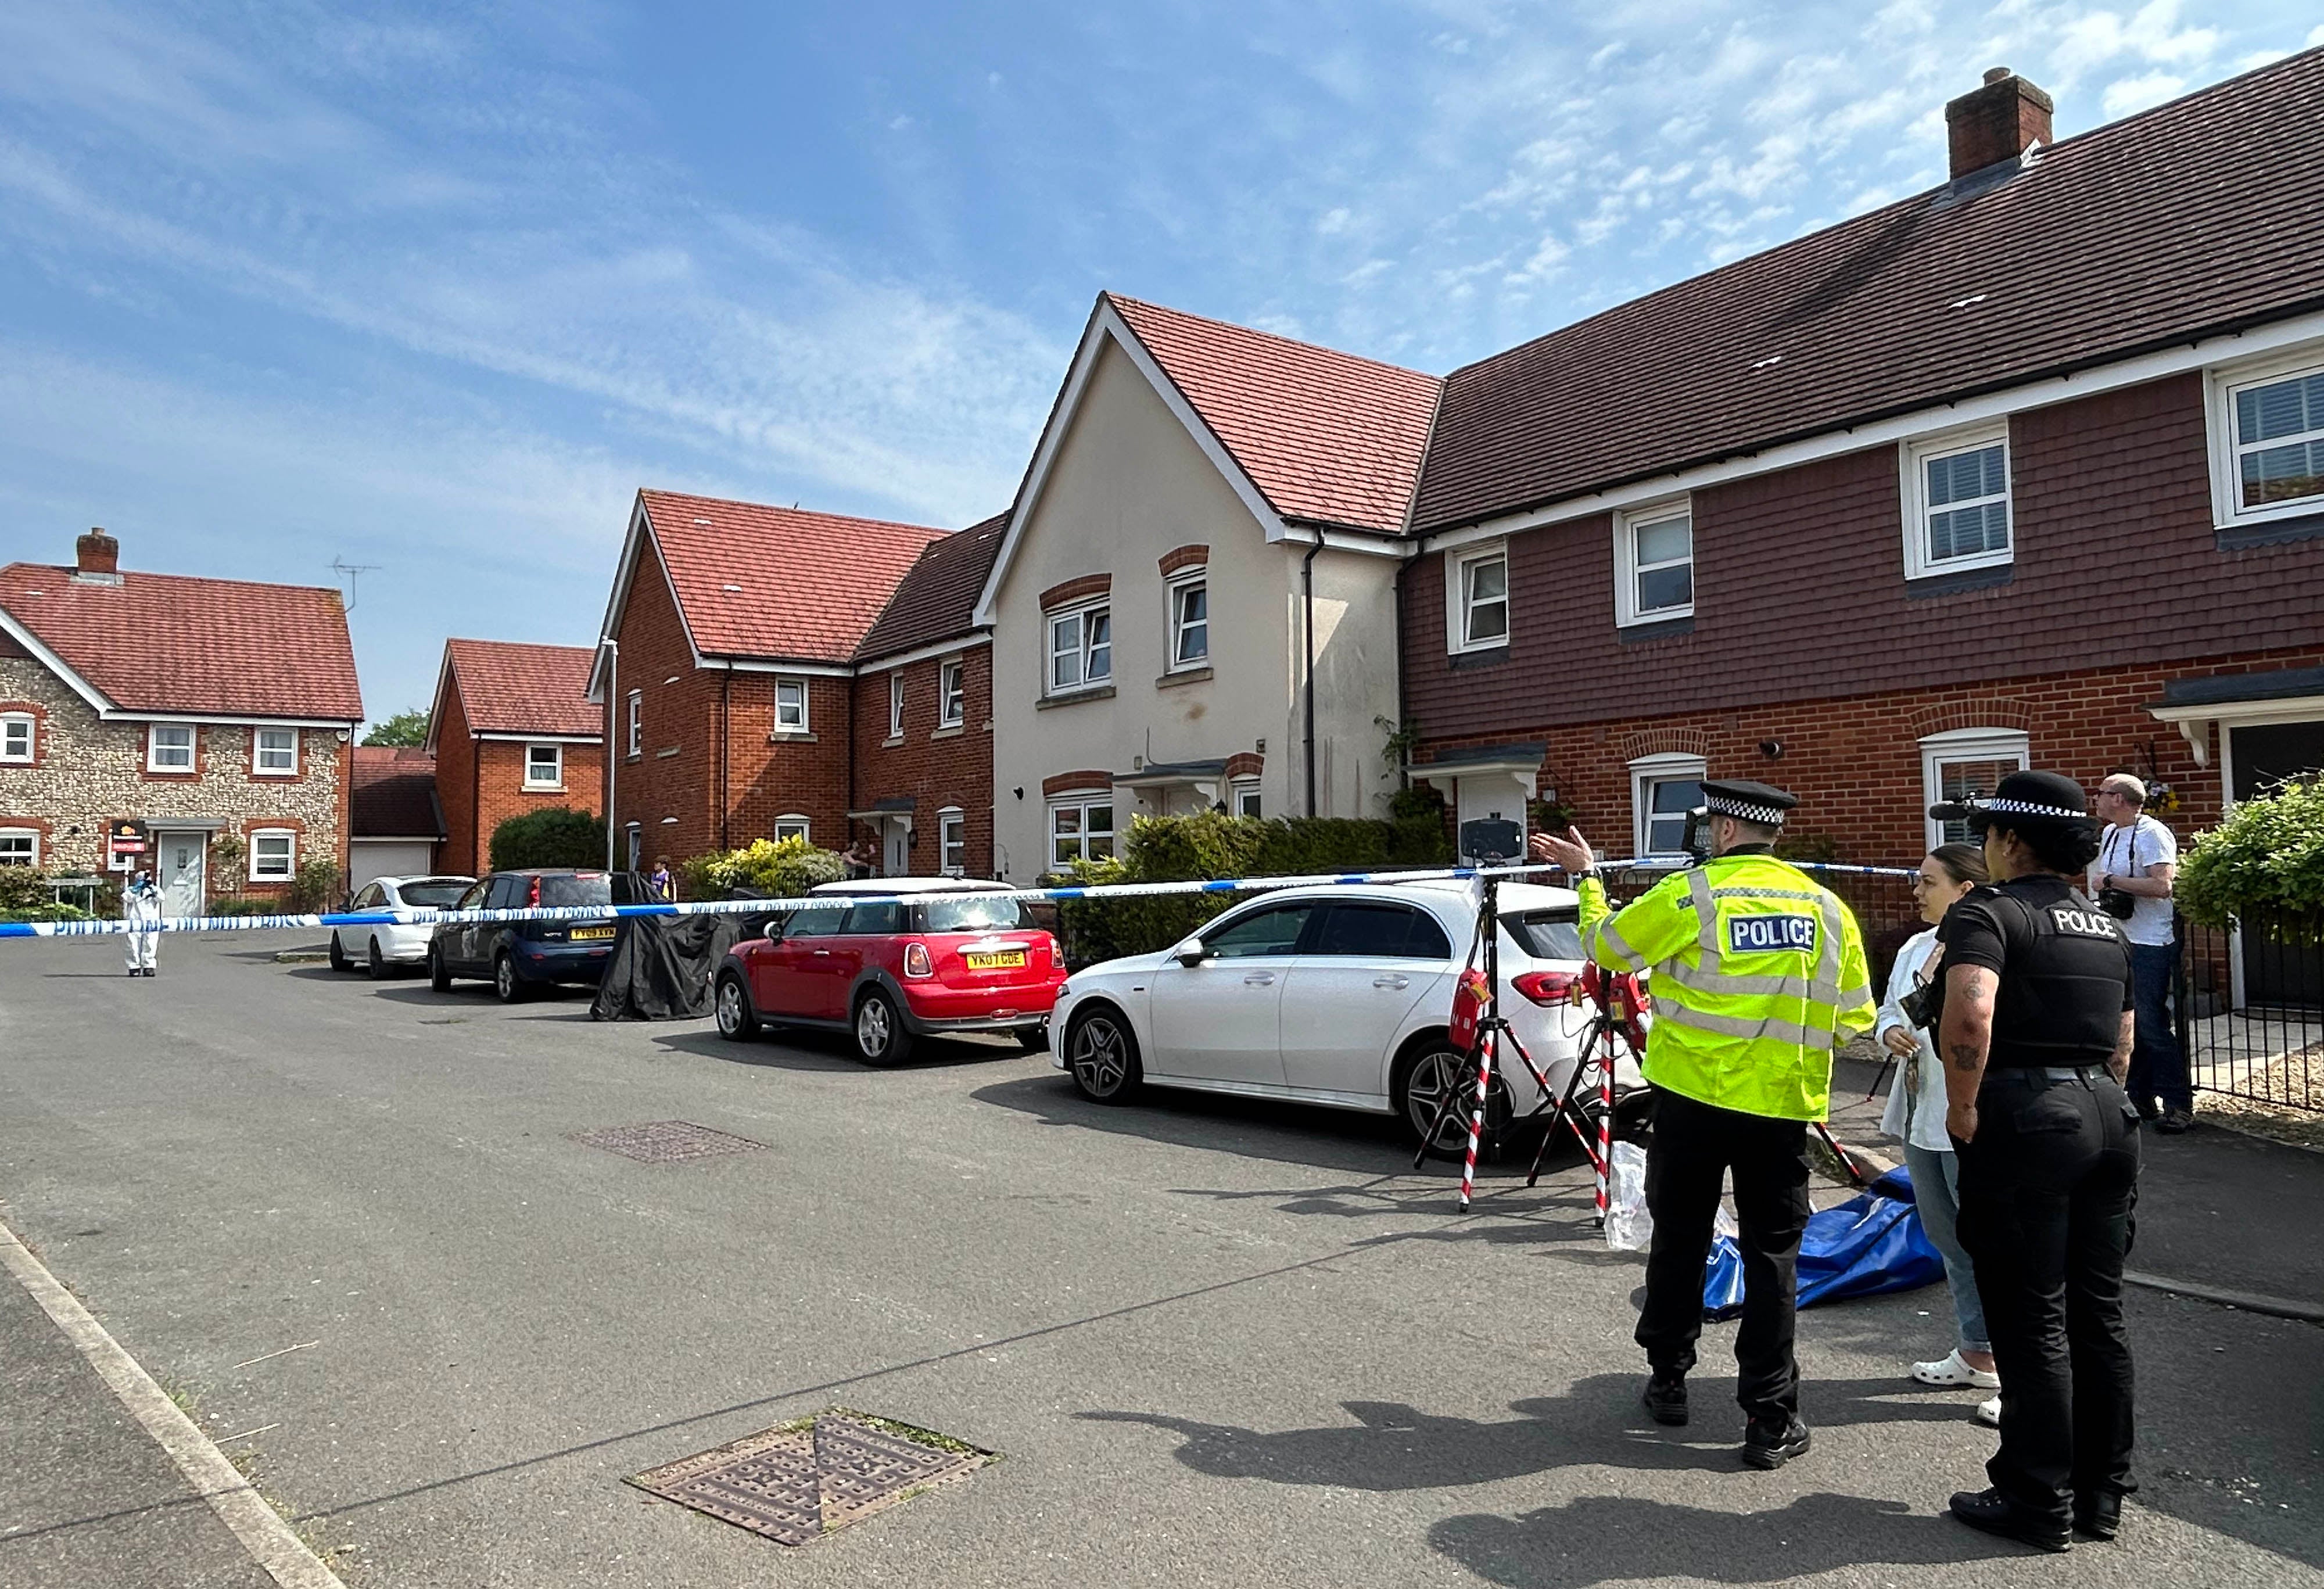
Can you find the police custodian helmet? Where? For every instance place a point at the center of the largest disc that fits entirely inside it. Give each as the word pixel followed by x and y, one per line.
pixel 2022 800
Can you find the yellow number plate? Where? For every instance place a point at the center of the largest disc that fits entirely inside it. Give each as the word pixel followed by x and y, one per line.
pixel 581 933
pixel 994 959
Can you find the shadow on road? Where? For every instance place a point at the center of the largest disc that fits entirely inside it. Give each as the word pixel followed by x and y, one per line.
pixel 828 1052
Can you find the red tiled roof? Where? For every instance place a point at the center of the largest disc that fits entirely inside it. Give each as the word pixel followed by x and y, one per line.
pixel 2203 216
pixel 507 687
pixel 778 583
pixel 394 794
pixel 169 642
pixel 936 600
pixel 1325 436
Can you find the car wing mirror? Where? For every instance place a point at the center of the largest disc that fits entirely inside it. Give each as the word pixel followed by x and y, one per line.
pixel 1191 953
pixel 773 932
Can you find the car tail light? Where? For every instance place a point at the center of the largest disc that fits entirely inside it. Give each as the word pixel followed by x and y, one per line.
pixel 1546 987
pixel 1056 956
pixel 917 962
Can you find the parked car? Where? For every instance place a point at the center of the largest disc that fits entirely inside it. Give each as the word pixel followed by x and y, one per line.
pixel 518 957
pixel 889 971
pixel 404 944
pixel 1339 994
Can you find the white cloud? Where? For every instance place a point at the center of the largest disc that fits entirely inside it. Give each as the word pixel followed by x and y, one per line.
pixel 2125 95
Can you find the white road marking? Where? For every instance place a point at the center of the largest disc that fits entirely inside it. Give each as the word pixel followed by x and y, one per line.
pixel 257 1524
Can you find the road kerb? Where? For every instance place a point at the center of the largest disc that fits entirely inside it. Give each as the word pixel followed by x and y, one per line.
pixel 256 1525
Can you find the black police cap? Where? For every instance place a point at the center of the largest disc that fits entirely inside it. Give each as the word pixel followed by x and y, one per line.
pixel 1747 802
pixel 2021 799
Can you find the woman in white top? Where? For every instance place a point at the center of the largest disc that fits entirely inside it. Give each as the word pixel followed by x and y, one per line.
pixel 1916 1113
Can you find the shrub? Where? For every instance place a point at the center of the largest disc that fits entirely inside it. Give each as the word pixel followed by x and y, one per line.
pixel 2264 861
pixel 556 837
pixel 315 888
pixel 777 868
pixel 228 854
pixel 23 889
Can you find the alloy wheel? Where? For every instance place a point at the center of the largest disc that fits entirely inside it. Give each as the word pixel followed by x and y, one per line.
pixel 874 1028
pixel 1099 1056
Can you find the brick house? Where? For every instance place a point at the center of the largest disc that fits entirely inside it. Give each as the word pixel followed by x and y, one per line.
pixel 922 769
pixel 512 730
pixel 2027 469
pixel 728 687
pixel 395 824
pixel 207 709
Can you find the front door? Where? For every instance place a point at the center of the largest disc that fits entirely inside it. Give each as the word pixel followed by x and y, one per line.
pixel 179 871
pixel 896 850
pixel 2265 754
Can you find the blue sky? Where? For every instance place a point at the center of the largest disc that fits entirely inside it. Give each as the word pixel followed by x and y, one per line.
pixel 434 288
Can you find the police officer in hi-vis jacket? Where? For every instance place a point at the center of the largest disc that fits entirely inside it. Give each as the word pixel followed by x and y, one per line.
pixel 1759 974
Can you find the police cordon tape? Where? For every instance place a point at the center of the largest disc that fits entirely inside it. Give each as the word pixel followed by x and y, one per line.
pixel 413 916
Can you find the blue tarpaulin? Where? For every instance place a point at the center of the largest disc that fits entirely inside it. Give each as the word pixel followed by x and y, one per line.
pixel 1872 1244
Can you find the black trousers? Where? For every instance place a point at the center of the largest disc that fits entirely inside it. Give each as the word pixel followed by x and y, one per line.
pixel 2046 1192
pixel 1692 1148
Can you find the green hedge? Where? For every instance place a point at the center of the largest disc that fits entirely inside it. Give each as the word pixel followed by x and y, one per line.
pixel 1211 845
pixel 556 837
pixel 2266 863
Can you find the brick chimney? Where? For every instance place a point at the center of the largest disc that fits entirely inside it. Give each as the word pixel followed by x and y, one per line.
pixel 1996 123
pixel 96 557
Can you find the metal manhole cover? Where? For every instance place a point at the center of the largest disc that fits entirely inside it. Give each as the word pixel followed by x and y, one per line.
pixel 667 1142
pixel 803 1481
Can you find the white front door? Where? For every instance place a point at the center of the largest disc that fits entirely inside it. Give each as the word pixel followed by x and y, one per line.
pixel 896 851
pixel 178 869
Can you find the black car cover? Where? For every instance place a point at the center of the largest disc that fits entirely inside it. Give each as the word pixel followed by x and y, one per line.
pixel 662 966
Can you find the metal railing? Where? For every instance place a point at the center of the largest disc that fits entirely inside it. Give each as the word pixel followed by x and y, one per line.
pixel 2249 1009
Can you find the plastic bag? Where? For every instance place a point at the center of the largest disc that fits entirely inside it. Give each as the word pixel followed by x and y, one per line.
pixel 1629 1228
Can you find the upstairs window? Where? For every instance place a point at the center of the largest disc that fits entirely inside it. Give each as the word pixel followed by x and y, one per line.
pixel 790 706
pixel 1478 599
pixel 16 737
pixel 635 732
pixel 2268 423
pixel 896 705
pixel 1081 648
pixel 1190 623
pixel 1654 563
pixel 274 751
pixel 170 747
pixel 1957 502
pixel 544 766
pixel 951 693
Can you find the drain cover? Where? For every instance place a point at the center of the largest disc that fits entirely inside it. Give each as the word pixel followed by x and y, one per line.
pixel 667 1142
pixel 800 1482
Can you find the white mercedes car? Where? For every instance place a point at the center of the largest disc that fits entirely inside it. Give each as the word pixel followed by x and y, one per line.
pixel 1339 994
pixel 380 950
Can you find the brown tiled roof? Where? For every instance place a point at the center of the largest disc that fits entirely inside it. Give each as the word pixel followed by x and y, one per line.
pixel 936 600
pixel 169 642
pixel 777 583
pixel 2203 216
pixel 1326 437
pixel 394 794
pixel 507 687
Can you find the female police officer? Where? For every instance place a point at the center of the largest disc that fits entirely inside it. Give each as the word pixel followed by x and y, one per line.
pixel 2035 1032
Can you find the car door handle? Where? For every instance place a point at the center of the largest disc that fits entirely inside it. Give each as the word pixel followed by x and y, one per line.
pixel 823 954
pixel 1258 979
pixel 1391 982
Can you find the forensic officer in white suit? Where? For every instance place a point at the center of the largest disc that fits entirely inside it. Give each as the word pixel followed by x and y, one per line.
pixel 140 906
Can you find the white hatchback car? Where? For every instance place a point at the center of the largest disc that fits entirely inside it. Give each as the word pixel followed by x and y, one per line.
pixel 1339 995
pixel 382 949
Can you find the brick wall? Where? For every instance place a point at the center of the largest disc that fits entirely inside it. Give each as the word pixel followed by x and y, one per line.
pixel 88 771
pixel 933 766
pixel 480 783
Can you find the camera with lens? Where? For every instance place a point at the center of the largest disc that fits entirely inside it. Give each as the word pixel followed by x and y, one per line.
pixel 2117 903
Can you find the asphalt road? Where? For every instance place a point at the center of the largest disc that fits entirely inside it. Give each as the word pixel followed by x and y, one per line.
pixel 1216 1343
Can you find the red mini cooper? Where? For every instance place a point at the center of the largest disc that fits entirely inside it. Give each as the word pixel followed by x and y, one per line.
pixel 888 971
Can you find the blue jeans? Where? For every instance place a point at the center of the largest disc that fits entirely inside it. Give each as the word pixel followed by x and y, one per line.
pixel 1936 1193
pixel 2157 1068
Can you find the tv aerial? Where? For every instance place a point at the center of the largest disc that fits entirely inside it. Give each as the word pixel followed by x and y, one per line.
pixel 349 572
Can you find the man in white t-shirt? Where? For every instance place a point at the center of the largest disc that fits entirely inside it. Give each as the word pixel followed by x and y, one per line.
pixel 2138 857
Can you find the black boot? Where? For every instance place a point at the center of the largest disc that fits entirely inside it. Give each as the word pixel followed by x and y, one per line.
pixel 1665 1398
pixel 1769 1443
pixel 1992 1512
pixel 2097 1516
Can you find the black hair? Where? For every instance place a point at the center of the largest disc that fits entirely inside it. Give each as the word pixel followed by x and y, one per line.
pixel 2067 848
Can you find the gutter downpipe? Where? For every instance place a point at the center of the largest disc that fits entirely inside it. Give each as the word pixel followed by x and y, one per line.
pixel 613 694
pixel 725 757
pixel 1307 638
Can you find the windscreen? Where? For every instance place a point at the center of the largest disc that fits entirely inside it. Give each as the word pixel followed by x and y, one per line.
pixel 1546 935
pixel 996 914
pixel 585 888
pixel 432 896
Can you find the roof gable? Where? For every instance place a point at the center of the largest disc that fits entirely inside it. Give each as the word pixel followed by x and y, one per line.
pixel 937 599
pixel 510 687
pixel 160 644
pixel 2200 217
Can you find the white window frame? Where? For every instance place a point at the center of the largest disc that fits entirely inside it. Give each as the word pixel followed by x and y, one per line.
pixel 1964 745
pixel 793 824
pixel 1914 458
pixel 557 755
pixel 31 752
pixel 636 832
pixel 1080 651
pixel 952 692
pixel 1626 525
pixel 31 835
pixel 1243 797
pixel 258 837
pixel 952 841
pixel 896 704
pixel 153 763
pixel 635 735
pixel 1646 772
pixel 801 725
pixel 258 753
pixel 1457 609
pixel 2220 390
pixel 1173 594
pixel 1079 803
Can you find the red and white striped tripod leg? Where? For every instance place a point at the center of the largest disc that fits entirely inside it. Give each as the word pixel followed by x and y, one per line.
pixel 1485 1044
pixel 1605 1126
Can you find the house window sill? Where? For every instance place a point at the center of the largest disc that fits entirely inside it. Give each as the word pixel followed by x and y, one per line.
pixel 666 750
pixel 1952 584
pixel 951 731
pixel 1662 629
pixel 791 737
pixel 891 741
pixel 277 777
pixel 2270 531
pixel 1075 699
pixel 544 789
pixel 1493 656
pixel 1183 676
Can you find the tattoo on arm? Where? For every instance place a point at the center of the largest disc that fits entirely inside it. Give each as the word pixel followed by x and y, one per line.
pixel 1966 1056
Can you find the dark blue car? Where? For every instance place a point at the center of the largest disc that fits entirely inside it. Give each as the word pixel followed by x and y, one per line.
pixel 517 957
